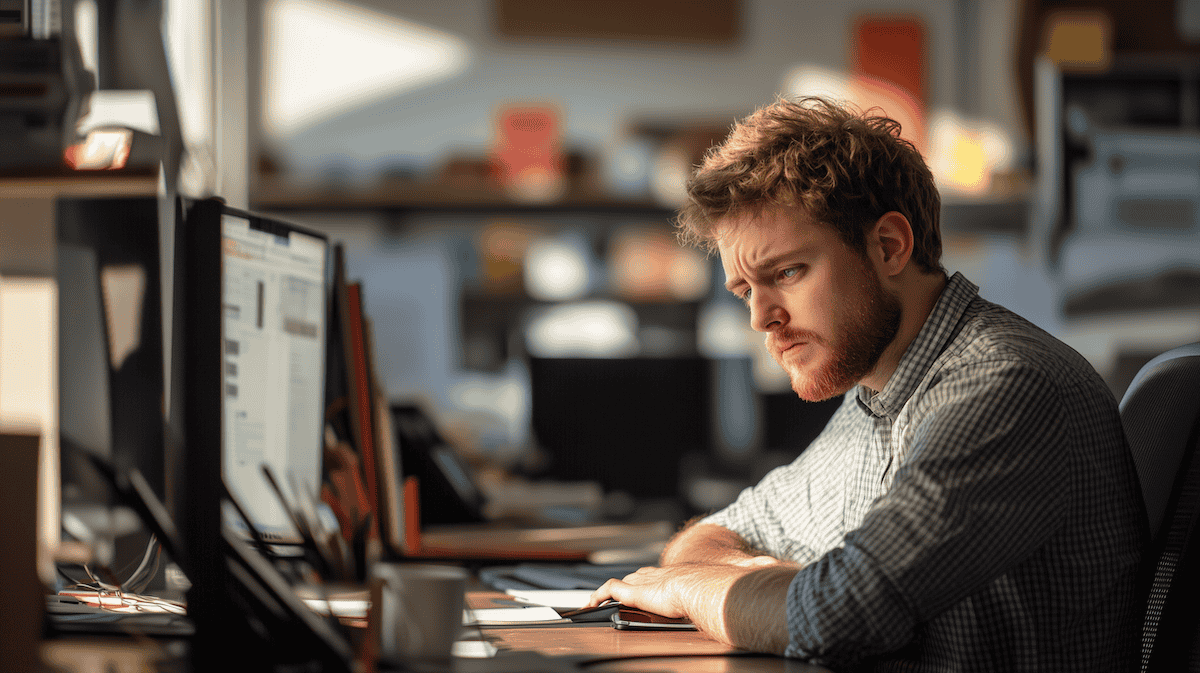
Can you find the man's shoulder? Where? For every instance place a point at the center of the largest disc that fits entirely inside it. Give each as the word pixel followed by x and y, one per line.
pixel 994 336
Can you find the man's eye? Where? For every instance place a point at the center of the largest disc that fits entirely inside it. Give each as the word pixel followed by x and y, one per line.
pixel 790 272
pixel 746 296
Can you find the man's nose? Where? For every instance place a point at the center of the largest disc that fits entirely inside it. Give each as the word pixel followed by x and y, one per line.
pixel 766 315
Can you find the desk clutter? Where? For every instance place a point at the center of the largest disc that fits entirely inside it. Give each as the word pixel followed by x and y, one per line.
pixel 277 473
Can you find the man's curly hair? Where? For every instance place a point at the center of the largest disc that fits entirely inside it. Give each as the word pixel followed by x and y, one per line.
pixel 842 167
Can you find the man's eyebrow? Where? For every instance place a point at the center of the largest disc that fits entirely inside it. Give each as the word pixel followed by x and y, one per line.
pixel 767 263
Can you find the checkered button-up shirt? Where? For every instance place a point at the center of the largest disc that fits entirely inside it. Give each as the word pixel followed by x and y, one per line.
pixel 980 513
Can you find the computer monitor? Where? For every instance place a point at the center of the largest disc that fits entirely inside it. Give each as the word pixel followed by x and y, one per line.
pixel 251 303
pixel 274 309
pixel 626 423
pixel 110 357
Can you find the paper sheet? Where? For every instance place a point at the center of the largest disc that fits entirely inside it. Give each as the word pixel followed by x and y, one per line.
pixel 563 599
pixel 529 615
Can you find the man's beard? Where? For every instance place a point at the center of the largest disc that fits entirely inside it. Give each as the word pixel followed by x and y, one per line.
pixel 859 342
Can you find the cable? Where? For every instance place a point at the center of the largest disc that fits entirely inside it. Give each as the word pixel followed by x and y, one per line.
pixel 138 579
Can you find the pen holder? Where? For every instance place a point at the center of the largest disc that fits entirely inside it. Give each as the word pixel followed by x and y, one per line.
pixel 416 611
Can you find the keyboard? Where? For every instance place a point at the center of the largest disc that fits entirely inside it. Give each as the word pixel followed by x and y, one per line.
pixel 533 576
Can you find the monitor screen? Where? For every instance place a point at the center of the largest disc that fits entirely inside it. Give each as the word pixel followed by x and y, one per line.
pixel 273 348
pixel 626 423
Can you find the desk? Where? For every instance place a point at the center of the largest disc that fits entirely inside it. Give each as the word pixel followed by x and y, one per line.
pixel 599 647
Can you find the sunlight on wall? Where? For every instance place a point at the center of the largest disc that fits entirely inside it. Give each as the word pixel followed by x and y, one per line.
pixel 29 391
pixel 322 58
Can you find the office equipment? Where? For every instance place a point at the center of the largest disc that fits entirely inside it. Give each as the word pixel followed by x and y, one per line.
pixel 238 601
pixel 448 492
pixel 274 308
pixel 623 422
pixel 419 443
pixel 634 619
pixel 596 612
pixel 1161 415
pixel 354 386
pixel 110 357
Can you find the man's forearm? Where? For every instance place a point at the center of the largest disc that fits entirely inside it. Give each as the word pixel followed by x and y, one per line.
pixel 744 607
pixel 755 611
pixel 705 543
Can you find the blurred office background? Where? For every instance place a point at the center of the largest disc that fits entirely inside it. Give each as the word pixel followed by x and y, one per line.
pixel 503 175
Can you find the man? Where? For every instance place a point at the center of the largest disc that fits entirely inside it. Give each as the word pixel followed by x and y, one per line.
pixel 971 506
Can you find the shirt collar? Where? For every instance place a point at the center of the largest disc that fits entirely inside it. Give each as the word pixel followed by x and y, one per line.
pixel 929 343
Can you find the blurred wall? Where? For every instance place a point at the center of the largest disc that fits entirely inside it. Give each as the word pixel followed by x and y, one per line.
pixel 415 267
pixel 602 86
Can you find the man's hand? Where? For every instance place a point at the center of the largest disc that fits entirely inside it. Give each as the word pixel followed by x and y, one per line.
pixel 744 606
pixel 658 590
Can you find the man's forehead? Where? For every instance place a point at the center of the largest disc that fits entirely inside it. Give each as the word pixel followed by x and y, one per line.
pixel 773 219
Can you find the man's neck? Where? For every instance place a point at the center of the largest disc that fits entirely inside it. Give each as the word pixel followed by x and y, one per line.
pixel 918 294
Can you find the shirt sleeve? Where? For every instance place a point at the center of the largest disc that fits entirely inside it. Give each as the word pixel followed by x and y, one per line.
pixel 751 516
pixel 796 511
pixel 983 487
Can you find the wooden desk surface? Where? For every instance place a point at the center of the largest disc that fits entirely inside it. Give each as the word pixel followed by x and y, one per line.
pixel 599 647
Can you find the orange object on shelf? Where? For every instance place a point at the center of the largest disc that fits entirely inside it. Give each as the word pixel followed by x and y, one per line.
pixel 528 157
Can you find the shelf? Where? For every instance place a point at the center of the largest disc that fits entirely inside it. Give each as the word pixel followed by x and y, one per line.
pixel 1005 213
pixel 99 183
pixel 404 195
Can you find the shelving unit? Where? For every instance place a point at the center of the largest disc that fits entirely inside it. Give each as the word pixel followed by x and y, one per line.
pixel 406 196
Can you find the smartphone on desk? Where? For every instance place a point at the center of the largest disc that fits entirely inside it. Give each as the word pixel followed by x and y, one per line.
pixel 635 619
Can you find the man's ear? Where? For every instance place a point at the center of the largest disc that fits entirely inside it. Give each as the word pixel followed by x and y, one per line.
pixel 891 243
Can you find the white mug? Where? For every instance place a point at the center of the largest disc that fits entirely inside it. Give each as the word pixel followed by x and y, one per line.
pixel 416 610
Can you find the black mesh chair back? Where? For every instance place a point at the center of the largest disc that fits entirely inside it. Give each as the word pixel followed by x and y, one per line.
pixel 1161 415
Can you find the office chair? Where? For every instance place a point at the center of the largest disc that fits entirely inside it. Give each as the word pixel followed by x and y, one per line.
pixel 1161 415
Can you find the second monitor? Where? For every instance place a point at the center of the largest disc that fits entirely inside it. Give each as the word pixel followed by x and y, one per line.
pixel 626 423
